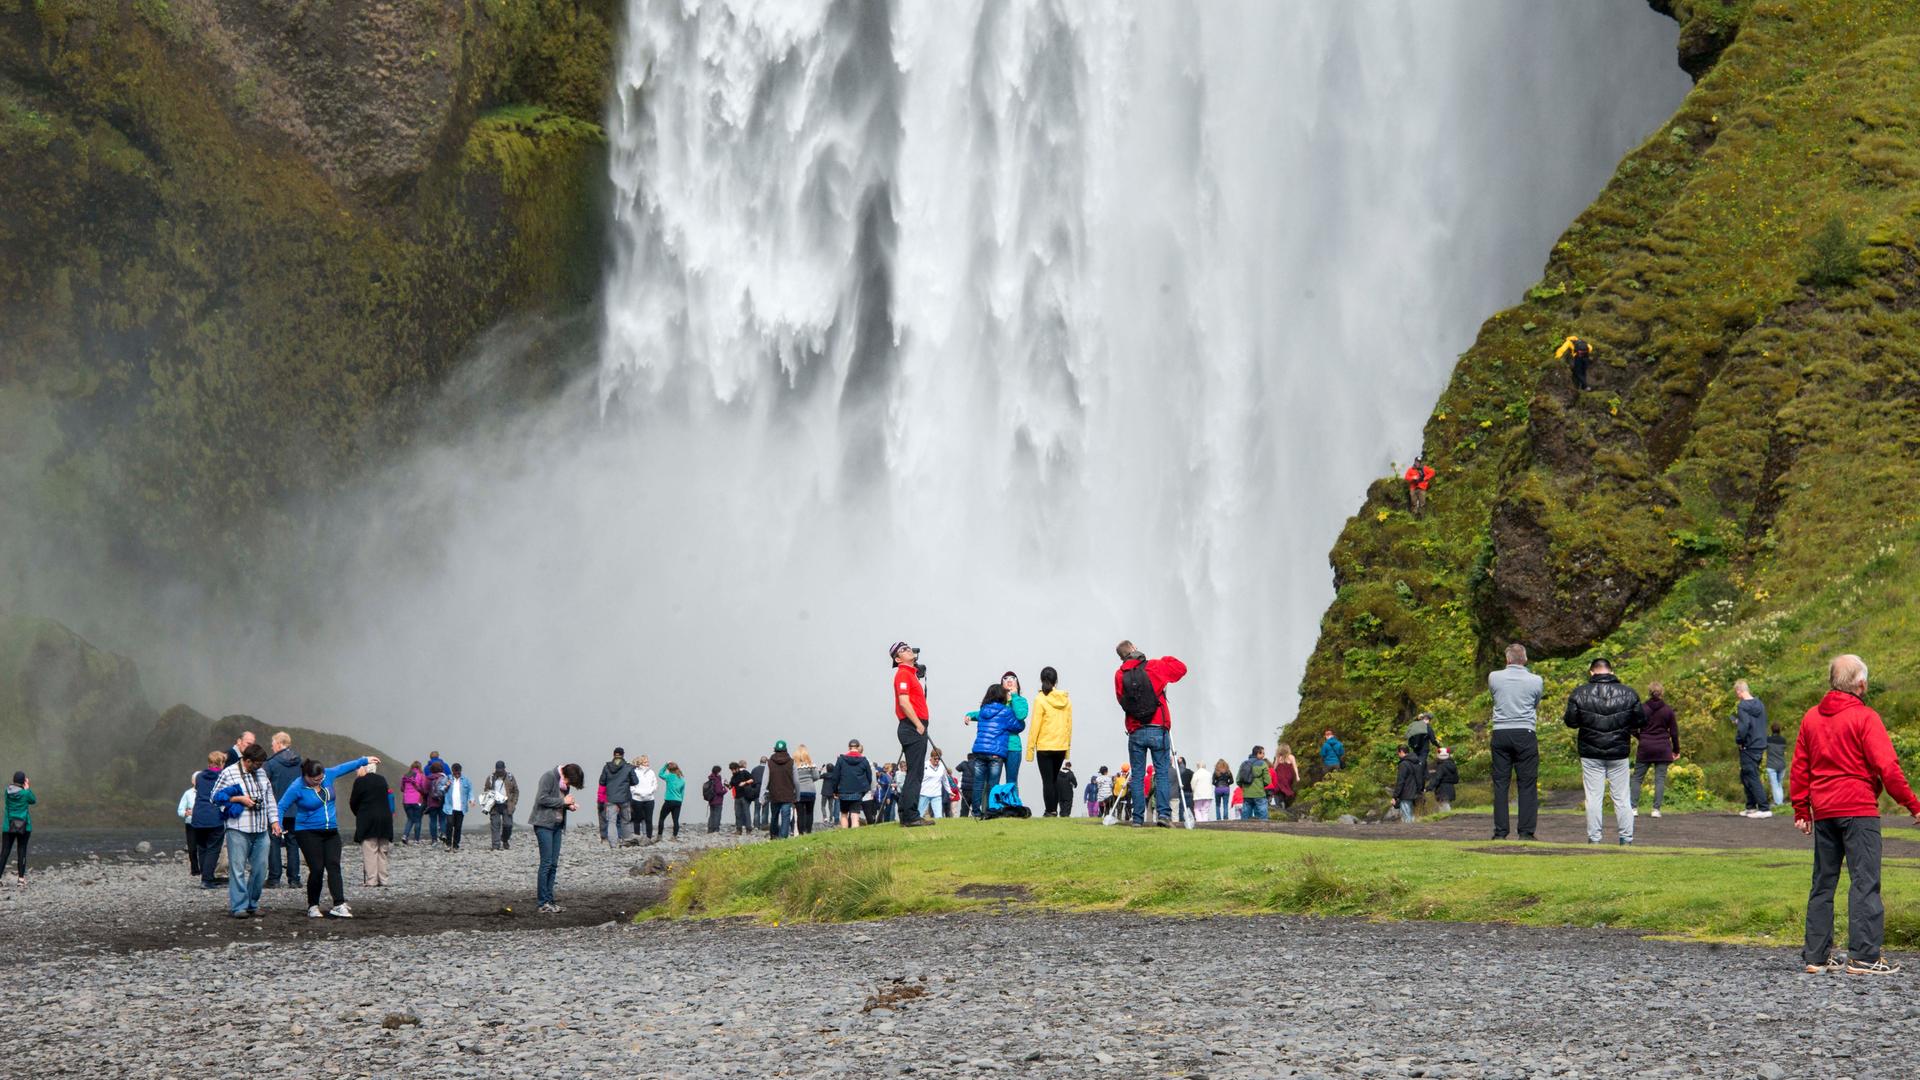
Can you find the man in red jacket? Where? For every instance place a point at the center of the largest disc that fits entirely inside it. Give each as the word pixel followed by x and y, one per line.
pixel 1140 686
pixel 1841 763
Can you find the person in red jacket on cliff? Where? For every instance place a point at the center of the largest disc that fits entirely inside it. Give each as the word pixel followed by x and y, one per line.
pixel 1140 686
pixel 1418 476
pixel 1841 763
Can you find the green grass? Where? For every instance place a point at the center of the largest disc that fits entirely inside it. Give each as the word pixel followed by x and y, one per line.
pixel 1756 897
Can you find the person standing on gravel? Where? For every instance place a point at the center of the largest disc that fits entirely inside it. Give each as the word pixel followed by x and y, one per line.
pixel 760 794
pixel 1408 782
pixel 310 806
pixel 413 798
pixel 551 802
pixel 646 788
pixel 1777 764
pixel 505 792
pixel 1446 777
pixel 1659 746
pixel 617 778
pixel 910 712
pixel 746 792
pixel 253 820
pixel 371 800
pixel 283 771
pixel 783 790
pixel 459 797
pixel 675 784
pixel 18 825
pixel 1842 761
pixel 208 821
pixel 184 809
pixel 1750 737
pixel 714 790
pixel 1140 686
pixel 1605 713
pixel 1515 745
pixel 806 777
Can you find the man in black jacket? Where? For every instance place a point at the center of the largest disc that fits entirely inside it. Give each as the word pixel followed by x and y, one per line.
pixel 1606 713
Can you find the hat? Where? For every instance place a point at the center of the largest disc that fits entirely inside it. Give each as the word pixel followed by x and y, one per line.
pixel 1445 753
pixel 894 652
pixel 780 746
pixel 500 765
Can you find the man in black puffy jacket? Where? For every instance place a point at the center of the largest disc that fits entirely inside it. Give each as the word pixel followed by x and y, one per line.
pixel 1606 713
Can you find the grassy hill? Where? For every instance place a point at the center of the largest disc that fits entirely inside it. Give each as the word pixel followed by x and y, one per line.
pixel 1734 497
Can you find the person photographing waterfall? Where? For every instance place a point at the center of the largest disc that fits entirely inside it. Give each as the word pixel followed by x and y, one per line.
pixel 1140 686
pixel 910 710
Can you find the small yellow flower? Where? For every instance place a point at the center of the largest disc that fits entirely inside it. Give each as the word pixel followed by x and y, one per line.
pixel 1381 516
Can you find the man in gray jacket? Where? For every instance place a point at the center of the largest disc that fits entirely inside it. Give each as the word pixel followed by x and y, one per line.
pixel 1750 736
pixel 617 777
pixel 1515 746
pixel 551 802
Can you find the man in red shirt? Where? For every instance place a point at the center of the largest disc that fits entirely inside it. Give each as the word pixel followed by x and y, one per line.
pixel 1842 761
pixel 1148 726
pixel 1418 476
pixel 910 708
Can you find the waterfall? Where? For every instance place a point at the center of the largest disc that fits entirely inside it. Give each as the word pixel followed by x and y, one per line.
pixel 1009 328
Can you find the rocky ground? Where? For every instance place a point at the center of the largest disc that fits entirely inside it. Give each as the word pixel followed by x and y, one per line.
pixel 141 973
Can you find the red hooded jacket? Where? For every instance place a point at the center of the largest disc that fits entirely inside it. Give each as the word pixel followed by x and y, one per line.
pixel 1160 672
pixel 1842 760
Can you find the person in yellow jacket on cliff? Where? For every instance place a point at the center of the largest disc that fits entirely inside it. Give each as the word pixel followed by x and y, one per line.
pixel 1581 351
pixel 1049 737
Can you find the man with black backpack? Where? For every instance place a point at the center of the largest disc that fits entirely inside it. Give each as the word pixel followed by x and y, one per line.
pixel 1254 778
pixel 1140 686
pixel 1580 351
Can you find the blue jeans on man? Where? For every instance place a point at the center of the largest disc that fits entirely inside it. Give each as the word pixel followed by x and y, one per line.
pixel 246 869
pixel 1150 739
pixel 1774 776
pixel 549 838
pixel 782 820
pixel 986 773
pixel 1253 809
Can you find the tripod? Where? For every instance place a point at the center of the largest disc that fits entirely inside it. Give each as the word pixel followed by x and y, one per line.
pixel 1179 793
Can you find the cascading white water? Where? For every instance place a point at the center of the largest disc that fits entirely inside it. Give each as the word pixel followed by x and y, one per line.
pixel 1010 328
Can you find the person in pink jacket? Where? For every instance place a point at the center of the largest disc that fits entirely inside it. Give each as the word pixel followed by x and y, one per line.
pixel 413 796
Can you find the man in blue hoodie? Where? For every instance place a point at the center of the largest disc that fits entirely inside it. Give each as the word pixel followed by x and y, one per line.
pixel 1750 736
pixel 283 770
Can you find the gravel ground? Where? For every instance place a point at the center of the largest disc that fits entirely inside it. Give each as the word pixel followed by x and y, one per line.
pixel 981 994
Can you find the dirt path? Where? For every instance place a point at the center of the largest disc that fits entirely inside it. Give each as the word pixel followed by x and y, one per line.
pixel 1701 830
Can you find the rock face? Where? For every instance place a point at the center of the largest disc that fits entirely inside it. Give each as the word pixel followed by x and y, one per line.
pixel 1731 497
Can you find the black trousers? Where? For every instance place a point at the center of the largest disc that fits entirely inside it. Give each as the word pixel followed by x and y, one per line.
pixel 643 813
pixel 1758 797
pixel 193 853
pixel 1516 756
pixel 1580 373
pixel 1050 762
pixel 713 817
pixel 321 848
pixel 1856 842
pixel 454 818
pixel 913 751
pixel 670 809
pixel 209 841
pixel 10 843
pixel 803 814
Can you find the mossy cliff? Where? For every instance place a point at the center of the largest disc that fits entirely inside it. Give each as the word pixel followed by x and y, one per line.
pixel 1735 495
pixel 240 241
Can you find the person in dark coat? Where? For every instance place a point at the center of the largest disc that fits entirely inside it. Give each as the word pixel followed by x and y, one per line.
pixel 1069 788
pixel 1659 746
pixel 783 790
pixel 1446 776
pixel 1605 712
pixel 371 801
pixel 1407 783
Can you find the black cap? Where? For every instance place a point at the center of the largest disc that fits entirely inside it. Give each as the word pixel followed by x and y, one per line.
pixel 500 765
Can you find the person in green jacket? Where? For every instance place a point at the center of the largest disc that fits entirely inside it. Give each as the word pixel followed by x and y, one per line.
pixel 1255 777
pixel 19 825
pixel 1018 703
pixel 675 792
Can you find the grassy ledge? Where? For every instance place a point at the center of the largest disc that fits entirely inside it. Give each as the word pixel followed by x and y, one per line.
pixel 1754 897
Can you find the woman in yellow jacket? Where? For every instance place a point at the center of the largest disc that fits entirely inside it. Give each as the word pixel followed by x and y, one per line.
pixel 1049 737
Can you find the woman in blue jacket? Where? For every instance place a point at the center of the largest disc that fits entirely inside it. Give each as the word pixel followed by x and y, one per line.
pixel 997 723
pixel 310 807
pixel 209 822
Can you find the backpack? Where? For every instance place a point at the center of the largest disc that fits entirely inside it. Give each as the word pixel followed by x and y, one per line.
pixel 1581 350
pixel 1245 777
pixel 1137 698
pixel 1003 800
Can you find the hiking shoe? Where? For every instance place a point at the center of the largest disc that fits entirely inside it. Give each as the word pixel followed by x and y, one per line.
pixel 243 915
pixel 1163 823
pixel 1833 963
pixel 1626 841
pixel 341 912
pixel 1872 967
pixel 916 823
pixel 1656 813
pixel 314 912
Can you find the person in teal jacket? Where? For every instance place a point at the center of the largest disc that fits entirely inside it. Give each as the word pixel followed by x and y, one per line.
pixel 1018 703
pixel 310 807
pixel 18 824
pixel 674 790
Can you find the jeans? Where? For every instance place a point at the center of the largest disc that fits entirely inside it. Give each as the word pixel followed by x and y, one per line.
pixel 670 809
pixel 643 816
pixel 929 806
pixel 1595 775
pixel 549 837
pixel 986 772
pixel 1013 768
pixel 760 815
pixel 913 750
pixel 1516 757
pixel 501 825
pixel 1222 805
pixel 1856 842
pixel 619 822
pixel 1150 739
pixel 742 814
pixel 246 869
pixel 1750 782
pixel 781 816
pixel 436 824
pixel 1659 780
pixel 287 844
pixel 1050 762
pixel 1253 810
pixel 1774 777
pixel 323 853
pixel 412 831
pixel 1406 810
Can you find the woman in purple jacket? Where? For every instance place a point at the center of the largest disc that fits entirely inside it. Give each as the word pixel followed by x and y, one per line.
pixel 1659 746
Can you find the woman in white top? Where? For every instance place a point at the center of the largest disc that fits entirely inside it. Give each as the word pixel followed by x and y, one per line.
pixel 933 787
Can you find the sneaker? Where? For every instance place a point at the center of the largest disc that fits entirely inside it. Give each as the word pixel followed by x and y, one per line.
pixel 314 912
pixel 1872 967
pixel 1656 813
pixel 1832 964
pixel 1626 841
pixel 548 909
pixel 243 915
pixel 1163 823
pixel 341 912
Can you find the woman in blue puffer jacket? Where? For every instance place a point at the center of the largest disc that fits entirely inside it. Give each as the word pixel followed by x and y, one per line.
pixel 316 828
pixel 997 723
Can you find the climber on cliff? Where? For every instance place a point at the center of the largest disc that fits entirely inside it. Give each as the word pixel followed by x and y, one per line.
pixel 1418 476
pixel 1580 350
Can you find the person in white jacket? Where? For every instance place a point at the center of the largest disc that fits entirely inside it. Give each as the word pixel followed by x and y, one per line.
pixel 646 786
pixel 933 787
pixel 459 796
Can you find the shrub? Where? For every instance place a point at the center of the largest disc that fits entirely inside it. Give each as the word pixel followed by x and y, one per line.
pixel 1687 786
pixel 1833 254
